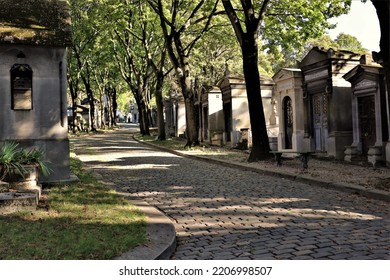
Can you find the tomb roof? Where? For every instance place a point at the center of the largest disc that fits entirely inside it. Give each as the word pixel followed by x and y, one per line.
pixel 363 68
pixel 317 54
pixel 35 22
pixel 286 73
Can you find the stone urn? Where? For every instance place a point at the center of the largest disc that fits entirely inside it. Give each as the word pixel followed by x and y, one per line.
pixel 26 182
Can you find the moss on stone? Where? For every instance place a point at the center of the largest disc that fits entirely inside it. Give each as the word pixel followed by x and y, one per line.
pixel 35 22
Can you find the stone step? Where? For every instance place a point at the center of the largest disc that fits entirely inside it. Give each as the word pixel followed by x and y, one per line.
pixel 11 202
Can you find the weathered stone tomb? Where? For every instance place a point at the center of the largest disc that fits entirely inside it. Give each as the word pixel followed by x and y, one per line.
pixel 33 39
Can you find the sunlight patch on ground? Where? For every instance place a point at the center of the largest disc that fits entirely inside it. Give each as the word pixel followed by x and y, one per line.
pixel 322 213
pixel 155 154
pixel 282 200
pixel 138 166
pixel 204 153
pixel 111 157
pixel 180 188
pixel 122 148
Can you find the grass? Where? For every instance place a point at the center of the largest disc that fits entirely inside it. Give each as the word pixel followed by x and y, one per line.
pixel 76 221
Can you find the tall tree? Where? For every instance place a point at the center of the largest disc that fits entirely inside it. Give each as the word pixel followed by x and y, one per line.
pixel 156 52
pixel 342 42
pixel 84 38
pixel 383 11
pixel 129 36
pixel 183 23
pixel 281 24
pixel 214 52
pixel 73 78
pixel 349 43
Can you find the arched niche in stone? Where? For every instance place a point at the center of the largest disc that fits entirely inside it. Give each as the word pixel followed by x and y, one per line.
pixel 21 87
pixel 288 124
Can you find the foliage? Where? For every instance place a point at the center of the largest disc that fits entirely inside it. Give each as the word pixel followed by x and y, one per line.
pixel 325 42
pixel 34 156
pixel 130 34
pixel 383 11
pixel 290 29
pixel 92 71
pixel 119 44
pixel 8 159
pixel 349 43
pixel 342 42
pixel 282 25
pixel 124 101
pixel 183 24
pixel 12 157
pixel 214 53
pixel 289 25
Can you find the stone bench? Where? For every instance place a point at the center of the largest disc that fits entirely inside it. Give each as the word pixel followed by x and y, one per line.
pixel 303 157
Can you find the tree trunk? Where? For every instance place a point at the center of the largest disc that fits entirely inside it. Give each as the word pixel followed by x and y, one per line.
pixel 140 117
pixel 191 120
pixel 383 11
pixel 73 95
pixel 74 116
pixel 191 123
pixel 260 143
pixel 91 108
pixel 103 120
pixel 160 108
pixel 91 101
pixel 143 117
pixel 114 106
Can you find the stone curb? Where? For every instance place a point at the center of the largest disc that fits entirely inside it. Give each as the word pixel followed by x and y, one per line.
pixel 345 187
pixel 161 233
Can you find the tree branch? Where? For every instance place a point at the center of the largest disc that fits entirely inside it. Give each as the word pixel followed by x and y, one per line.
pixel 235 21
pixel 205 29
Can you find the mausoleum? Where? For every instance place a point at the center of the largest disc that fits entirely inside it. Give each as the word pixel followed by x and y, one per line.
pixel 290 108
pixel 211 115
pixel 236 111
pixel 328 100
pixel 369 115
pixel 34 35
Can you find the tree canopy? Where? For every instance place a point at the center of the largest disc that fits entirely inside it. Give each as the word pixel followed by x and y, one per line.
pixel 349 43
pixel 133 45
pixel 282 26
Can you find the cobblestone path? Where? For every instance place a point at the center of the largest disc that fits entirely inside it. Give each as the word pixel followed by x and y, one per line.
pixel 224 213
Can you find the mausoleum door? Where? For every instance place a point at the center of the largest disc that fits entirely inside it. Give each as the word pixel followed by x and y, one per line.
pixel 367 122
pixel 227 109
pixel 288 122
pixel 320 121
pixel 205 123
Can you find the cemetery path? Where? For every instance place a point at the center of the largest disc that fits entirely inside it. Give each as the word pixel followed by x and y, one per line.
pixel 226 213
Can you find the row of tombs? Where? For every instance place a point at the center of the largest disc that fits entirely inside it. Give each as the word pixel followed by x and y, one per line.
pixel 334 105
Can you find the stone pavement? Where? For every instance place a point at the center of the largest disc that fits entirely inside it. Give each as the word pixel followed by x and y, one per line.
pixel 221 212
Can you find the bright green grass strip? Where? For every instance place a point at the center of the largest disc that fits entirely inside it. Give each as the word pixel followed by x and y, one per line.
pixel 83 221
